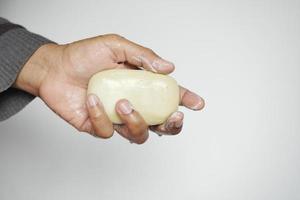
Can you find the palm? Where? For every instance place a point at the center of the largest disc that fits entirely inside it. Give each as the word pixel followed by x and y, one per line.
pixel 79 63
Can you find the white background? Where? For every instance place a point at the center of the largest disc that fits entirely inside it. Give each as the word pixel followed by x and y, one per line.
pixel 243 57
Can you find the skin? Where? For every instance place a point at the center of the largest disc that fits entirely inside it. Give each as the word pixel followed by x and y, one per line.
pixel 59 75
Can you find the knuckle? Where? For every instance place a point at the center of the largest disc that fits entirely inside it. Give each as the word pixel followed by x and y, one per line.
pixel 108 133
pixel 150 50
pixel 89 130
pixel 83 128
pixel 100 133
pixel 139 130
pixel 113 36
pixel 104 131
pixel 96 116
pixel 141 140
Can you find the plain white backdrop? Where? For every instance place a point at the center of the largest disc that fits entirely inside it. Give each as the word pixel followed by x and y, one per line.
pixel 243 57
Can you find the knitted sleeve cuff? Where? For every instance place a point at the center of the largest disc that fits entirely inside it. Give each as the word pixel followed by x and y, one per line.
pixel 16 47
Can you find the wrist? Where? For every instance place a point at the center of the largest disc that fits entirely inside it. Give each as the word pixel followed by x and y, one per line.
pixel 36 69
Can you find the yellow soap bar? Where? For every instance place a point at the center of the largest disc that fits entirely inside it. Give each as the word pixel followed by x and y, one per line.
pixel 154 96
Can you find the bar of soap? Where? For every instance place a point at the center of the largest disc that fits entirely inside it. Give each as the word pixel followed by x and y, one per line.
pixel 154 96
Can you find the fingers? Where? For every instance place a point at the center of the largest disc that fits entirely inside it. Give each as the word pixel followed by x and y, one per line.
pixel 190 99
pixel 137 55
pixel 102 126
pixel 123 131
pixel 135 128
pixel 172 126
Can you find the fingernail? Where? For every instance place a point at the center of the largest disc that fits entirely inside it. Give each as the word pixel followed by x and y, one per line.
pixel 92 100
pixel 178 124
pixel 170 125
pixel 162 65
pixel 175 120
pixel 144 61
pixel 199 106
pixel 125 107
pixel 194 101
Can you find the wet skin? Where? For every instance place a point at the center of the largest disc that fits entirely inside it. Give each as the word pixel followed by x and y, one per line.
pixel 59 75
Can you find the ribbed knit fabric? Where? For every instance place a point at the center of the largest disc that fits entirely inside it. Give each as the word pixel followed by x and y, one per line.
pixel 16 47
pixel 2 20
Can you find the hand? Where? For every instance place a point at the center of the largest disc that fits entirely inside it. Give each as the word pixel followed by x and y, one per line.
pixel 59 75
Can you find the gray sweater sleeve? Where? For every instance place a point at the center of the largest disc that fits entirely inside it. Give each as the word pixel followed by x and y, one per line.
pixel 16 47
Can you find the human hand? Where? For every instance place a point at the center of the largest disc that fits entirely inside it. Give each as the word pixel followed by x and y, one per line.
pixel 59 75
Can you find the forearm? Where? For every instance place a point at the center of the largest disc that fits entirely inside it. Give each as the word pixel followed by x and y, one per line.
pixel 17 45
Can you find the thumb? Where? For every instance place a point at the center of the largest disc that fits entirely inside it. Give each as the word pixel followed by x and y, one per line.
pixel 137 55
